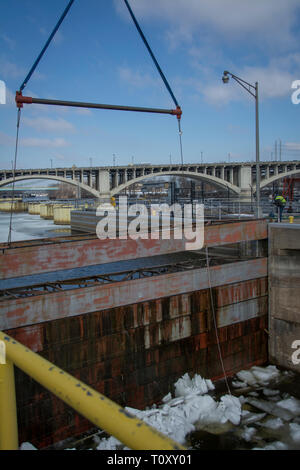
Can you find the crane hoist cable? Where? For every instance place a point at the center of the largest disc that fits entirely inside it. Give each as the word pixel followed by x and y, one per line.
pixel 20 99
pixel 14 176
pixel 64 14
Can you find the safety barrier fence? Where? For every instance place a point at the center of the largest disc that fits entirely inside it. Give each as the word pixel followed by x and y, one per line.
pixel 101 411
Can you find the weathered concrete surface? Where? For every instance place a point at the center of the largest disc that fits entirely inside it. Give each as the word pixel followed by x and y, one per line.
pixel 133 354
pixel 25 258
pixel 55 305
pixel 284 294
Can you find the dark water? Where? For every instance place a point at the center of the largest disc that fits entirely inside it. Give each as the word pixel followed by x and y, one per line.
pixel 265 423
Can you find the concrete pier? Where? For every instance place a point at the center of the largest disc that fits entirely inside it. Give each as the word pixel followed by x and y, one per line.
pixel 46 211
pixel 284 295
pixel 8 205
pixel 34 208
pixel 62 214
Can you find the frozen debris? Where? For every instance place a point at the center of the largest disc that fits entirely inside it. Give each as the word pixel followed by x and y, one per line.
pixel 270 408
pixel 274 446
pixel 247 377
pixel 238 384
pixel 248 417
pixel 192 405
pixel 258 376
pixel 264 375
pixel 272 423
pixel 110 443
pixel 27 446
pixel 291 404
pixel 248 433
pixel 231 408
pixel 167 398
pixel 197 385
pixel 269 392
pixel 295 432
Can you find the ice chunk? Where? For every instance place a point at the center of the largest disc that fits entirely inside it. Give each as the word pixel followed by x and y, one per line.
pixel 291 404
pixel 249 417
pixel 167 398
pixel 270 408
pixel 248 433
pixel 273 423
pixel 110 443
pixel 27 446
pixel 265 374
pixel 258 375
pixel 269 392
pixel 231 408
pixel 247 377
pixel 277 445
pixel 185 385
pixel 295 432
pixel 238 384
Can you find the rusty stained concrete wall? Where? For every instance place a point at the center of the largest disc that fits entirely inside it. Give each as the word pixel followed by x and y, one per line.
pixel 133 354
pixel 25 258
pixel 55 305
pixel 284 295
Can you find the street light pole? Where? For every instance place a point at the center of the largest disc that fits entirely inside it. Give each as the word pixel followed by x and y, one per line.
pixel 258 209
pixel 253 90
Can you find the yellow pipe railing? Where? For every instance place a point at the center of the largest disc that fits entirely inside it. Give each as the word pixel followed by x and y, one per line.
pixel 101 411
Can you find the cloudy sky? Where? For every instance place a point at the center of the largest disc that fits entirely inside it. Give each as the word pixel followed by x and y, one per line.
pixel 98 56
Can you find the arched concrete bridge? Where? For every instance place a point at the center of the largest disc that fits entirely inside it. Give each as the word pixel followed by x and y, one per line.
pixel 104 182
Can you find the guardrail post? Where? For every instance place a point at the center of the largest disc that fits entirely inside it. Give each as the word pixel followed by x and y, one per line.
pixel 8 408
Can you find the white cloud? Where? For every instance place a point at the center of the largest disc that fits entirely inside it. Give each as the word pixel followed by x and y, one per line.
pixel 37 142
pixel 6 139
pixel 292 145
pixel 9 69
pixel 255 19
pixel 274 81
pixel 48 124
pixel 9 41
pixel 136 78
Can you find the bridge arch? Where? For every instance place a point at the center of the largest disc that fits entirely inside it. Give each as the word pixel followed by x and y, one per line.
pixel 87 188
pixel 187 174
pixel 278 177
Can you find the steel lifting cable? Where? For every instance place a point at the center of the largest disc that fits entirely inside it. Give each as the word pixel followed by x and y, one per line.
pixel 19 108
pixel 46 45
pixel 20 99
pixel 14 176
pixel 215 321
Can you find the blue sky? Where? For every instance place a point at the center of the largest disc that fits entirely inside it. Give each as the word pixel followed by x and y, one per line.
pixel 98 56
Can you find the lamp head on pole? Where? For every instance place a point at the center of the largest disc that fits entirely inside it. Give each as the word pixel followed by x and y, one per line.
pixel 225 77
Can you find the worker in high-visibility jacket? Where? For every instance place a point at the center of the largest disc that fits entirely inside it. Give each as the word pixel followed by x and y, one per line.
pixel 280 202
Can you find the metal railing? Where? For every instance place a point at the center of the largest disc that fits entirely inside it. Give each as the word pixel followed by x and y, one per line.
pixel 98 409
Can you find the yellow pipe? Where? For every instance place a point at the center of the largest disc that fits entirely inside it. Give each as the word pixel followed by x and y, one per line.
pixel 94 406
pixel 8 409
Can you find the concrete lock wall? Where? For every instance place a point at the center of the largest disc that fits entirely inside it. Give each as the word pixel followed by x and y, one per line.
pixel 134 353
pixel 284 295
pixel 131 339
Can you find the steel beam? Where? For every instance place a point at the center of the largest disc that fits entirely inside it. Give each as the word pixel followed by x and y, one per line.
pixel 55 305
pixel 38 256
